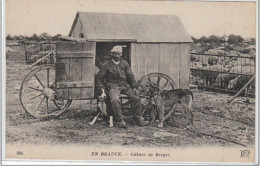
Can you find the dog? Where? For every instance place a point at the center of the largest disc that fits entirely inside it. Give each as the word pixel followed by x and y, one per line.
pixel 102 110
pixel 170 98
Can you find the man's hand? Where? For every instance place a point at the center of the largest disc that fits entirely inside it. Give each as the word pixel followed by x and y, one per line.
pixel 136 92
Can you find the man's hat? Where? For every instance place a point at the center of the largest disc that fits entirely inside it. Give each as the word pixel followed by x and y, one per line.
pixel 117 49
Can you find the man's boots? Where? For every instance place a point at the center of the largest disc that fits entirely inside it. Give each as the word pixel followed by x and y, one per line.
pixel 140 121
pixel 121 124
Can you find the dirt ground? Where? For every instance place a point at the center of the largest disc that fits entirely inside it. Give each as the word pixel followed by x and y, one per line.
pixel 216 122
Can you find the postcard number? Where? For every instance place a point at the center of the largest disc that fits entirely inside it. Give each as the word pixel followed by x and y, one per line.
pixel 245 153
pixel 19 153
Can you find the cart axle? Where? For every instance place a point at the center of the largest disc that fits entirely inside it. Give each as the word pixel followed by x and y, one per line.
pixel 49 93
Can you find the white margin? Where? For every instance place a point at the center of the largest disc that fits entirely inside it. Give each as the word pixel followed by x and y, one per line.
pixel 257 86
pixel 3 78
pixel 5 161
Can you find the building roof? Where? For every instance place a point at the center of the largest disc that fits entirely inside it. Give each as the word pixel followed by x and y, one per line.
pixel 139 27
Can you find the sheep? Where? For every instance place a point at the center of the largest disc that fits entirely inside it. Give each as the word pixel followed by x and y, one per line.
pixel 8 49
pixel 242 62
pixel 197 65
pixel 240 81
pixel 213 60
pixel 252 53
pixel 219 68
pixel 208 74
pixel 248 70
pixel 224 78
pixel 216 57
pixel 203 59
pixel 193 57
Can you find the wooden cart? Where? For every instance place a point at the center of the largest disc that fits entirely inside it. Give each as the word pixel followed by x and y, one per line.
pixel 48 90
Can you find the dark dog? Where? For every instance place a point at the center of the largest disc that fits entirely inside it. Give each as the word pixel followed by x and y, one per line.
pixel 169 98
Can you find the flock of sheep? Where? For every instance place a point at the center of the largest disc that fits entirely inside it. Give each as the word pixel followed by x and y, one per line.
pixel 216 69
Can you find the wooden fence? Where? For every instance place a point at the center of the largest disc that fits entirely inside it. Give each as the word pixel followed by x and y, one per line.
pixel 222 73
pixel 36 50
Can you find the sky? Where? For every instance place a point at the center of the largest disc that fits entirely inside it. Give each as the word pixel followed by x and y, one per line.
pixel 26 17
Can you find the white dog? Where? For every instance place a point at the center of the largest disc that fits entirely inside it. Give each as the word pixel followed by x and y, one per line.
pixel 102 109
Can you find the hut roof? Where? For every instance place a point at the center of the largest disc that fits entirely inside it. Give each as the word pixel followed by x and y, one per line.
pixel 139 27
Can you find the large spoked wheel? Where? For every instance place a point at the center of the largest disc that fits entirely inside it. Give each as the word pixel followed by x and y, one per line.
pixel 37 93
pixel 147 85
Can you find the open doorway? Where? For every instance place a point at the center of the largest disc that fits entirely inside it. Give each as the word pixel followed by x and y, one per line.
pixel 103 52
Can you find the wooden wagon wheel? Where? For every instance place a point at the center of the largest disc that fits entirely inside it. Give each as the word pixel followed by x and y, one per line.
pixel 144 86
pixel 37 93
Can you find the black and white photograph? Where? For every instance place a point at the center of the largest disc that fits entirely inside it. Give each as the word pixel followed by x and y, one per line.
pixel 92 81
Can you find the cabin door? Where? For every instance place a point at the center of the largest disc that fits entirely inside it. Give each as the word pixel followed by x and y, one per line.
pixel 75 70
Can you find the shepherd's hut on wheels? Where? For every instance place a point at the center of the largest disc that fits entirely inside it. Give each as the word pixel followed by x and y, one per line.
pixel 157 47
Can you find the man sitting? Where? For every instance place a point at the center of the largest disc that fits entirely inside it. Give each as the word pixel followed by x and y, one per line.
pixel 116 77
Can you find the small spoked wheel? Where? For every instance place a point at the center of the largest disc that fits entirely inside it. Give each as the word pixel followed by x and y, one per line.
pixel 37 93
pixel 147 85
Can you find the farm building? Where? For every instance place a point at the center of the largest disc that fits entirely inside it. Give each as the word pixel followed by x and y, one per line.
pixel 153 43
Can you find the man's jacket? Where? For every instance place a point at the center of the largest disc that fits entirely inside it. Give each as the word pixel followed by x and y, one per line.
pixel 111 76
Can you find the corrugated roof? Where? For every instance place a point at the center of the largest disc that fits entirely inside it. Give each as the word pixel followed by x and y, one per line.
pixel 140 27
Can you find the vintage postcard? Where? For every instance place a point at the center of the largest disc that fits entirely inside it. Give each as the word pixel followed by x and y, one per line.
pixel 148 82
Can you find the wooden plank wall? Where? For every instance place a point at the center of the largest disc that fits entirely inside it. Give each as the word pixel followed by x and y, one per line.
pixel 168 58
pixel 78 29
pixel 184 66
pixel 169 61
pixel 144 59
pixel 75 75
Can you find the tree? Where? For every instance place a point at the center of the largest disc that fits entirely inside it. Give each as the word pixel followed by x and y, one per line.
pixel 194 40
pixel 44 36
pixel 21 37
pixel 252 41
pixel 233 39
pixel 204 39
pixel 214 39
pixel 239 39
pixel 56 37
pixel 223 39
pixel 35 37
pixel 27 37
pixel 15 37
pixel 9 37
